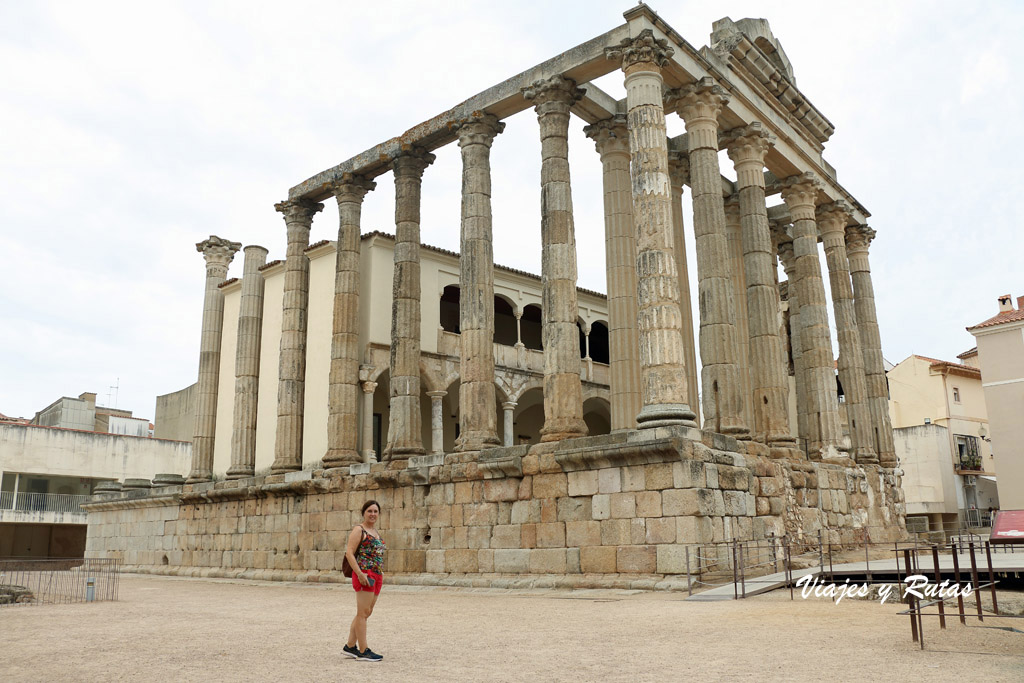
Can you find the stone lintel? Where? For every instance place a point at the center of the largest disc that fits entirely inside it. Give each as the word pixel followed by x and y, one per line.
pixel 583 63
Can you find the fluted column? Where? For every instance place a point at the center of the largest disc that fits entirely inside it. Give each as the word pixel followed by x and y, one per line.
pixel 247 365
pixel 436 421
pixel 404 431
pixel 477 409
pixel 832 220
pixel 766 354
pixel 679 176
pixel 858 238
pixel 563 391
pixel 291 386
pixel 218 254
pixel 659 322
pixel 785 249
pixel 343 387
pixel 368 388
pixel 824 432
pixel 734 243
pixel 699 105
pixel 509 408
pixel 611 137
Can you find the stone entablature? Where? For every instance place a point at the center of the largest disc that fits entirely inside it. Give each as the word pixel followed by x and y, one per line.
pixel 591 511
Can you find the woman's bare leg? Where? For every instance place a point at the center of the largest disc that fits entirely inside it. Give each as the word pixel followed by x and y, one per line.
pixel 364 607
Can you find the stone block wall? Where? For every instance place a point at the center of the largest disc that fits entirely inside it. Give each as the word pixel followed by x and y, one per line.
pixel 617 507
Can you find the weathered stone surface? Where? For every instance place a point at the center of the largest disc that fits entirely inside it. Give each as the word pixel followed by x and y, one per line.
pixel 218 254
pixel 640 559
pixel 247 365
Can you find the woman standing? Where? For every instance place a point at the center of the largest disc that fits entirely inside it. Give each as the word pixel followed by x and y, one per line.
pixel 365 553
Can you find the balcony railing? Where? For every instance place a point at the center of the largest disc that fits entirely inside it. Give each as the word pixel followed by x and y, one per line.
pixel 41 502
pixel 971 463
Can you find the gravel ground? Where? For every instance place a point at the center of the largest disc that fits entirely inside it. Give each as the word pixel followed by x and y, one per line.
pixel 179 629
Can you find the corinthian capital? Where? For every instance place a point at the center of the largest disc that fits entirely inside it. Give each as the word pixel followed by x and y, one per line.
pixel 218 252
pixel 832 218
pixel 299 210
pixel 479 129
pixel 351 187
pixel 557 93
pixel 411 163
pixel 747 143
pixel 645 52
pixel 698 101
pixel 610 136
pixel 858 238
pixel 800 192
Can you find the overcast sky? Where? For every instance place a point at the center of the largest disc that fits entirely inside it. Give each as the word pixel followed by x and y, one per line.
pixel 130 131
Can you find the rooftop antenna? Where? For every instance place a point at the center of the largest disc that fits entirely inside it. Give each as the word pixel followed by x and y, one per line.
pixel 114 388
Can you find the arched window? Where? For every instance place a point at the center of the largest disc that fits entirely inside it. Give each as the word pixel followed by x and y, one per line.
pixel 599 343
pixel 504 322
pixel 532 328
pixel 450 309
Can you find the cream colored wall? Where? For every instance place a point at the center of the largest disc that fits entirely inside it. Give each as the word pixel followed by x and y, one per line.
pixel 1001 351
pixel 915 394
pixel 270 358
pixel 41 450
pixel 226 377
pixel 319 332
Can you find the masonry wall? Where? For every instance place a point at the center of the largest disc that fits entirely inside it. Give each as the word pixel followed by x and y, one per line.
pixel 620 505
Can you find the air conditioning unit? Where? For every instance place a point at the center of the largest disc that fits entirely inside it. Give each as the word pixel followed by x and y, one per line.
pixel 970 479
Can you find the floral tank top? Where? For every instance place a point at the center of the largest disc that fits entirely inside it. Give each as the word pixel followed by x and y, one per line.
pixel 370 554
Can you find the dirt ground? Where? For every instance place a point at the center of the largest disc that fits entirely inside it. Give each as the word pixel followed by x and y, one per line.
pixel 178 629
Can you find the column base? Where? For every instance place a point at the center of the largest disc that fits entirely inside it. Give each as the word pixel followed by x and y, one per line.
pixel 664 415
pixel 476 442
pixel 571 428
pixel 199 477
pixel 341 457
pixel 241 472
pixel 403 452
pixel 281 468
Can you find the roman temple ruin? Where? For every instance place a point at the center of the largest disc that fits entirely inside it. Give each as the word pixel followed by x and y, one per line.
pixel 512 425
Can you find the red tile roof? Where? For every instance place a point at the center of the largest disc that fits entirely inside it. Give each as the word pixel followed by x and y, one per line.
pixel 1003 317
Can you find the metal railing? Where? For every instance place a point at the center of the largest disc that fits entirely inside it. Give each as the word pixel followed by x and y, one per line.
pixel 41 502
pixel 31 581
pixel 713 565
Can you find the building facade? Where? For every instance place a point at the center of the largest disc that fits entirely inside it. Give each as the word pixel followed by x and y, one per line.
pixel 51 465
pixel 1001 357
pixel 940 422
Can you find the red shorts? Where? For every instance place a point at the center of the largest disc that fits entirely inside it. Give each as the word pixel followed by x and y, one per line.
pixel 378 582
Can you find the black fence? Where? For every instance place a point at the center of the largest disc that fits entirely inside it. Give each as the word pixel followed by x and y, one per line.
pixel 31 581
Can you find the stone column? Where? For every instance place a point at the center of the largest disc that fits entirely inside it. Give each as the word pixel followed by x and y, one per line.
pixel 785 248
pixel 768 365
pixel 519 329
pixel 509 407
pixel 734 242
pixel 343 387
pixel 404 435
pixel 858 238
pixel 612 140
pixel 832 220
pixel 436 421
pixel 247 365
pixel 368 389
pixel 699 105
pixel 218 254
pixel 824 432
pixel 477 410
pixel 660 325
pixel 563 391
pixel 291 385
pixel 679 176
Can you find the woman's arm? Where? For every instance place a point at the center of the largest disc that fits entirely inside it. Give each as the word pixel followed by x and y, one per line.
pixel 354 539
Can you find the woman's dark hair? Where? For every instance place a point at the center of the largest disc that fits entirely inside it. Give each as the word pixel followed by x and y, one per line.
pixel 368 503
